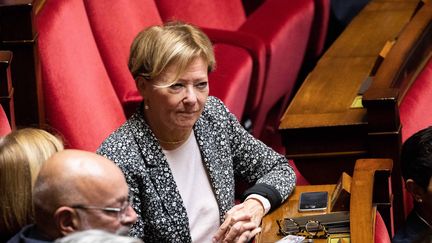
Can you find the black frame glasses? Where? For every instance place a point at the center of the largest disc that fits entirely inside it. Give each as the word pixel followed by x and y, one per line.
pixel 119 211
pixel 313 229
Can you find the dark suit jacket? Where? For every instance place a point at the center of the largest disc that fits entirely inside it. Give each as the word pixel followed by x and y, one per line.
pixel 28 234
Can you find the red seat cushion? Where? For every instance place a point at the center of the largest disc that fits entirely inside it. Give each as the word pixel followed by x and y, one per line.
pixel 80 102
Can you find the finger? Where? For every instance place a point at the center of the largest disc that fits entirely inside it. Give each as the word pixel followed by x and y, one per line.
pixel 238 229
pixel 235 208
pixel 233 216
pixel 248 235
pixel 254 232
pixel 245 237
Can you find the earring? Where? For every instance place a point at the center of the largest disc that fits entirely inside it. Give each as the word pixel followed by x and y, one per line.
pixel 146 107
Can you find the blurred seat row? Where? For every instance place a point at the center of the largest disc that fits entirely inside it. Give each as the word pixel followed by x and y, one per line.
pixel 83 47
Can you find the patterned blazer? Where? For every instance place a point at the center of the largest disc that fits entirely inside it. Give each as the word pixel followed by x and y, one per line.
pixel 228 151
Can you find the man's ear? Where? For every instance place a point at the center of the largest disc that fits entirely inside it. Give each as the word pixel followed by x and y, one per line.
pixel 416 191
pixel 66 220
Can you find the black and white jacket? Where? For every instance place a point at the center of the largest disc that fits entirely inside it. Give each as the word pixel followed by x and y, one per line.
pixel 228 151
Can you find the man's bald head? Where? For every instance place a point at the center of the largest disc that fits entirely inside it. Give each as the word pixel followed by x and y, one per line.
pixel 74 177
pixel 71 174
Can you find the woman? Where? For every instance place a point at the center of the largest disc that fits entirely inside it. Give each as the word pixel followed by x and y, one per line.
pixel 22 153
pixel 181 150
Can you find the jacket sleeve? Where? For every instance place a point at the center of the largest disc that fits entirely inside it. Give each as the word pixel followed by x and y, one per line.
pixel 257 163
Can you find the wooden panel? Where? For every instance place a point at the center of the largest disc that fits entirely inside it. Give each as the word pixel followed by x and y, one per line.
pixel 362 216
pixel 17 35
pixel 6 89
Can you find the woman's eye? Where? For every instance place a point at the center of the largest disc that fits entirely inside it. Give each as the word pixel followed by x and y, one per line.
pixel 176 86
pixel 202 85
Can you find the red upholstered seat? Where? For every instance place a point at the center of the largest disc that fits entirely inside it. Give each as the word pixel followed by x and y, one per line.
pixel 4 123
pixel 80 102
pixel 115 23
pixel 415 112
pixel 276 34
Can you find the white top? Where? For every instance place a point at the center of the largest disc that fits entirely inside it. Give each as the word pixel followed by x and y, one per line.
pixel 194 186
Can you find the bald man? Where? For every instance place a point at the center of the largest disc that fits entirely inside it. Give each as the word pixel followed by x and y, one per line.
pixel 77 190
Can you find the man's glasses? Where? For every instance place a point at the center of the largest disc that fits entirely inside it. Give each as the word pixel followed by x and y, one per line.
pixel 313 229
pixel 120 212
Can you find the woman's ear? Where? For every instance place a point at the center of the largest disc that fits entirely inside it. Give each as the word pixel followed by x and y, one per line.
pixel 416 191
pixel 66 220
pixel 141 84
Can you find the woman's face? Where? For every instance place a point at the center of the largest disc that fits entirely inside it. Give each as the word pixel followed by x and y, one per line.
pixel 176 106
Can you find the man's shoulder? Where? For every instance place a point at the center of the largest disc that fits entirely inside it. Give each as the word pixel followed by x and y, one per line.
pixel 413 229
pixel 25 236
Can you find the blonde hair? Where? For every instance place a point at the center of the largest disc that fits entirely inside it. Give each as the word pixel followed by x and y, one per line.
pixel 157 47
pixel 22 152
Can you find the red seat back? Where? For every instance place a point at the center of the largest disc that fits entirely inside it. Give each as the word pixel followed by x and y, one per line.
pixel 283 26
pixel 226 15
pixel 4 123
pixel 319 29
pixel 80 102
pixel 415 112
pixel 115 23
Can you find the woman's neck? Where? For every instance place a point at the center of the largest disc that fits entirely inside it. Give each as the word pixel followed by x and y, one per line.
pixel 167 137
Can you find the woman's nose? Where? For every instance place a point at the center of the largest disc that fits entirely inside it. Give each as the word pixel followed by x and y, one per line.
pixel 191 95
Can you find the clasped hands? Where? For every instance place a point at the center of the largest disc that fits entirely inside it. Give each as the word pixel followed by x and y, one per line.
pixel 241 222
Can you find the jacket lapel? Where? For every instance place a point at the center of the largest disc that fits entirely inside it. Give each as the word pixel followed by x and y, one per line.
pixel 218 170
pixel 161 176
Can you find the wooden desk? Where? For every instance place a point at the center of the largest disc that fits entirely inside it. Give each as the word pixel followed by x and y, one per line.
pixel 368 177
pixel 322 129
pixel 320 122
pixel 289 208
